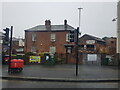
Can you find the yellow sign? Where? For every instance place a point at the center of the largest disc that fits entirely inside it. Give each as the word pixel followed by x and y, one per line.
pixel 35 59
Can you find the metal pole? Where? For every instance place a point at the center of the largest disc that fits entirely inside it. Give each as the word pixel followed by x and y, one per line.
pixel 10 52
pixel 77 37
pixel 77 61
pixel 79 16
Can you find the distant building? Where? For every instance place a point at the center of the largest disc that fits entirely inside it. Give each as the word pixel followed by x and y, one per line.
pixel 110 45
pixel 17 46
pixel 91 44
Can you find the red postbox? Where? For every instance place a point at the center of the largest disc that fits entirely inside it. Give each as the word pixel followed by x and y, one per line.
pixel 16 65
pixel 21 63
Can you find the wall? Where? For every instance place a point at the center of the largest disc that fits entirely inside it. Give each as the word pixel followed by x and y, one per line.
pixel 43 41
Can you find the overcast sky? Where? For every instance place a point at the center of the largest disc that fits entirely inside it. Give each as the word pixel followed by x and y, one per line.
pixel 96 17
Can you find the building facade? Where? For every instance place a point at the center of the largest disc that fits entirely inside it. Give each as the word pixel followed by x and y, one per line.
pixel 53 39
pixel 91 44
pixel 47 38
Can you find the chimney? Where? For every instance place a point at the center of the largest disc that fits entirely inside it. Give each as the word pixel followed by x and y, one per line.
pixel 65 22
pixel 48 24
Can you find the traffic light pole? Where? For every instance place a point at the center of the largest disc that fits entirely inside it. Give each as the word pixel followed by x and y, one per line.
pixel 10 52
pixel 76 43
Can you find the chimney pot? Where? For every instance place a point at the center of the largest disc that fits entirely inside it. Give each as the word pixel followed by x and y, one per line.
pixel 65 22
pixel 48 24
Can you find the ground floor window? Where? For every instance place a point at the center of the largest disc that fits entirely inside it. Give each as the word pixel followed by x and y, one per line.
pixel 52 49
pixel 33 49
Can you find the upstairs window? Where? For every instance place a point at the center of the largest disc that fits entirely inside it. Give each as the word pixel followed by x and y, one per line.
pixel 81 47
pixel 67 37
pixel 90 47
pixel 33 37
pixel 53 37
pixel 112 42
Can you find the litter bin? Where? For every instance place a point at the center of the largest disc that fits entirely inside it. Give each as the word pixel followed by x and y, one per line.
pixel 49 59
pixel 105 62
pixel 52 61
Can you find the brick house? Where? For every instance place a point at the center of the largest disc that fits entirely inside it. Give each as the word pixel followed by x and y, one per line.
pixel 91 48
pixel 91 44
pixel 49 38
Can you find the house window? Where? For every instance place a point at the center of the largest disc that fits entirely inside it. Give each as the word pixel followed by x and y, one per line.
pixel 90 47
pixel 53 37
pixel 112 42
pixel 52 49
pixel 81 47
pixel 69 49
pixel 33 49
pixel 33 37
pixel 67 37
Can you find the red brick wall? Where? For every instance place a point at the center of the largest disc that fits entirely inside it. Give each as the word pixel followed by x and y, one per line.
pixel 43 41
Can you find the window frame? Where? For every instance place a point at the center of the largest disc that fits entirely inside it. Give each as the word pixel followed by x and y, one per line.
pixel 52 37
pixel 33 49
pixel 34 37
pixel 52 51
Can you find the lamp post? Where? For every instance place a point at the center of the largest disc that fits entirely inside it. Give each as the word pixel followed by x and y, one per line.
pixel 114 19
pixel 79 16
pixel 77 40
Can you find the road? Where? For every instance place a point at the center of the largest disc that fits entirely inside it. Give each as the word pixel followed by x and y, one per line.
pixel 66 71
pixel 46 84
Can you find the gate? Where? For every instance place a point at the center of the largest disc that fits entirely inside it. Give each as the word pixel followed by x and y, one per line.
pixel 91 59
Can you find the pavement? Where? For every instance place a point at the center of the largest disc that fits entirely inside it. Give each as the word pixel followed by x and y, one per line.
pixel 64 73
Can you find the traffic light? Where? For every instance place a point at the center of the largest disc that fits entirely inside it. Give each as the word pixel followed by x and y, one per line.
pixel 72 36
pixel 6 36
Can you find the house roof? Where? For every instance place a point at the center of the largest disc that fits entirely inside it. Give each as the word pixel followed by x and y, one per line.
pixel 93 37
pixel 53 28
